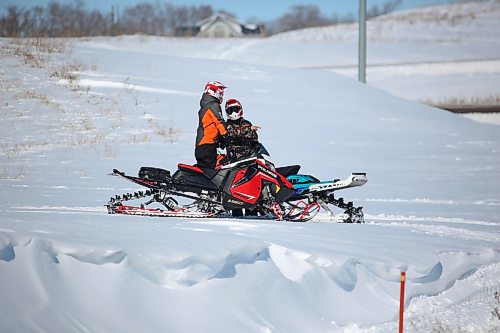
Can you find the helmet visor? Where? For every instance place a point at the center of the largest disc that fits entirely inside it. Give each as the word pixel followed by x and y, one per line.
pixel 233 109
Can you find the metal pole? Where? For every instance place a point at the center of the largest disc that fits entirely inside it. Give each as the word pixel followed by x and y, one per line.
pixel 362 42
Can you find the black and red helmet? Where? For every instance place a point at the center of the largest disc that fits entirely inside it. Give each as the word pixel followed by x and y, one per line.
pixel 234 109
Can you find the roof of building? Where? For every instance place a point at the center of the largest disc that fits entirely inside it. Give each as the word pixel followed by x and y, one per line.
pixel 229 20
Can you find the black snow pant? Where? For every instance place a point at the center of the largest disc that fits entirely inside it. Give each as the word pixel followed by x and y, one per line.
pixel 206 155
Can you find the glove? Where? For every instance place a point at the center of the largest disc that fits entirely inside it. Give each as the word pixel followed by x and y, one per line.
pixel 222 142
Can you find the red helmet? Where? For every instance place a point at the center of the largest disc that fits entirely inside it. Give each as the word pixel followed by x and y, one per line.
pixel 215 89
pixel 234 109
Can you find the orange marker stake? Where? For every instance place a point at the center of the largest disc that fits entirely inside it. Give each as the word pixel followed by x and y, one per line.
pixel 402 301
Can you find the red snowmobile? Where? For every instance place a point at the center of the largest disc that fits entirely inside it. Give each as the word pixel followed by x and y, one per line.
pixel 253 184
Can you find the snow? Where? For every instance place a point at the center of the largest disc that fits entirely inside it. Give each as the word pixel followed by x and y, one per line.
pixel 432 202
pixel 488 118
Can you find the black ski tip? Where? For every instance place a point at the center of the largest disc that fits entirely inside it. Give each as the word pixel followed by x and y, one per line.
pixel 117 172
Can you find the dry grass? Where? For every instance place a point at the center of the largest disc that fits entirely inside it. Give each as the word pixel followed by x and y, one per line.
pixel 69 73
pixel 127 86
pixel 23 147
pixel 495 312
pixel 438 326
pixel 109 151
pixel 91 141
pixel 17 174
pixel 462 12
pixel 426 17
pixel 167 132
pixel 143 39
pixel 38 52
pixel 31 59
pixel 87 125
pixel 43 53
pixel 47 45
pixel 11 152
pixel 457 102
pixel 139 138
pixel 31 94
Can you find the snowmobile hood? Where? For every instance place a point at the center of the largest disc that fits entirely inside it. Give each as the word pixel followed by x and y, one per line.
pixel 207 99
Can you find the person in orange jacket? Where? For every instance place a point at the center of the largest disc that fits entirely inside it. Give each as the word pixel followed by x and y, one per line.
pixel 211 126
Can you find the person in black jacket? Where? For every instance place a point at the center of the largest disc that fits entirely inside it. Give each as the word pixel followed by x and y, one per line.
pixel 241 141
pixel 211 125
pixel 242 137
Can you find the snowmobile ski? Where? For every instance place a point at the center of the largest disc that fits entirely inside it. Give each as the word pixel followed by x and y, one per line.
pixel 142 211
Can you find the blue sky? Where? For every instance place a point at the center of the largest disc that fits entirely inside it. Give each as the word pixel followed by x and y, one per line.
pixel 244 9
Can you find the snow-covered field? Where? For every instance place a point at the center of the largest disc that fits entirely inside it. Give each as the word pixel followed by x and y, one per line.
pixel 432 202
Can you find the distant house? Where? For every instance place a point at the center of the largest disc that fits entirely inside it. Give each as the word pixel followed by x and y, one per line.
pixel 221 25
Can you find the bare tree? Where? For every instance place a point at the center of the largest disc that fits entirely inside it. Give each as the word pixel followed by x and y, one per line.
pixel 11 23
pixel 305 16
pixel 301 16
pixel 72 19
pixel 184 16
pixel 386 8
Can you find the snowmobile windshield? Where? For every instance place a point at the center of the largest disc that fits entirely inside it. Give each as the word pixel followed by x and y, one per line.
pixel 262 150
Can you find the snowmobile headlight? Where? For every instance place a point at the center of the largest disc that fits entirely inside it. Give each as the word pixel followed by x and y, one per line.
pixel 269 165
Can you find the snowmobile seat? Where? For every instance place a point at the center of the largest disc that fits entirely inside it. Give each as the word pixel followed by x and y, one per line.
pixel 210 173
pixel 189 168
